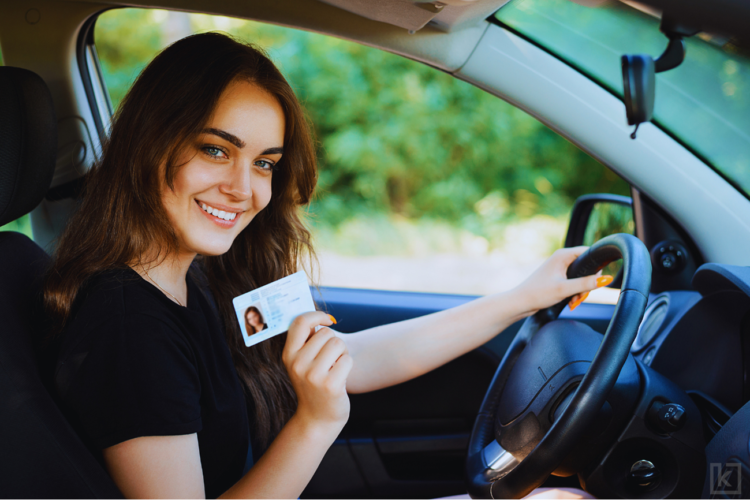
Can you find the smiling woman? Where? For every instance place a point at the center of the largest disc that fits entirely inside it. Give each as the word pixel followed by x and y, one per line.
pixel 195 151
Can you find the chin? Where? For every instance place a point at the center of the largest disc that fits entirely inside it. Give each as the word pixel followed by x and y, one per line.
pixel 214 248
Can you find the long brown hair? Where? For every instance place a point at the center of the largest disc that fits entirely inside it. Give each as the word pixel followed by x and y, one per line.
pixel 121 217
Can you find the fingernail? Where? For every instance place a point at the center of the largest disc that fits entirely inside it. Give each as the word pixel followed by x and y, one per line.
pixel 604 281
pixel 577 302
pixel 333 319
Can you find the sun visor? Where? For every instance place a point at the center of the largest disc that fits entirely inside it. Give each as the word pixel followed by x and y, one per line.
pixel 407 14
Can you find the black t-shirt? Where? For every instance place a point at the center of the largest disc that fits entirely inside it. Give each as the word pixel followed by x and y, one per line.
pixel 133 363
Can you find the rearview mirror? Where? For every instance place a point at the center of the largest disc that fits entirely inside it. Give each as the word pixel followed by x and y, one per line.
pixel 639 72
pixel 639 87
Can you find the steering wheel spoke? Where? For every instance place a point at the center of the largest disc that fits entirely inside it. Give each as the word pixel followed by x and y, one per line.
pixel 499 460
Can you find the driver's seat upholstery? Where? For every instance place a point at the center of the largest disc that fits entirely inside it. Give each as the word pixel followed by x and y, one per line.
pixel 40 454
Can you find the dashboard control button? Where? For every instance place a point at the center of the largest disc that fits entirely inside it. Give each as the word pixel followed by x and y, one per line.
pixel 666 418
pixel 669 256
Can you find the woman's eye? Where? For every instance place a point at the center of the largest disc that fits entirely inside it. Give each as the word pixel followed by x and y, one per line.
pixel 265 164
pixel 214 152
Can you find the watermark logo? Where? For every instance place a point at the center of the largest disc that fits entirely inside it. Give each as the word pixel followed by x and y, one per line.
pixel 726 479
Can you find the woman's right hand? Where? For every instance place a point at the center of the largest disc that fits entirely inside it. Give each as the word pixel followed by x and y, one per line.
pixel 318 364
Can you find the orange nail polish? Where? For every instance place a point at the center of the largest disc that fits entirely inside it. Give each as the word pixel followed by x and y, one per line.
pixel 333 319
pixel 577 302
pixel 604 281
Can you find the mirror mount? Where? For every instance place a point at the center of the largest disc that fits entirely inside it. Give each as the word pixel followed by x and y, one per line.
pixel 672 56
pixel 638 72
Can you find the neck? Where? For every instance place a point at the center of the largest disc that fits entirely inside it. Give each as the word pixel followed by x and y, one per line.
pixel 168 274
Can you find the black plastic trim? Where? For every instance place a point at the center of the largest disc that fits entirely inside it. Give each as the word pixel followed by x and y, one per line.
pixel 86 38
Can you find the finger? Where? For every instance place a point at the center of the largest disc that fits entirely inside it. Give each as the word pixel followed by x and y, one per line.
pixel 577 300
pixel 575 286
pixel 312 347
pixel 326 358
pixel 587 283
pixel 341 370
pixel 569 255
pixel 303 327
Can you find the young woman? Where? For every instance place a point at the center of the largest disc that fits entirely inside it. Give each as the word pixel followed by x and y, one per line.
pixel 254 321
pixel 194 202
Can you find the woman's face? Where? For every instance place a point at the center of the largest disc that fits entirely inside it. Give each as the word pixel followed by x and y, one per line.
pixel 227 178
pixel 252 318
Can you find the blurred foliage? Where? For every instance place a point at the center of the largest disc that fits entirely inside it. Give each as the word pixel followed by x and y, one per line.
pixel 21 225
pixel 397 138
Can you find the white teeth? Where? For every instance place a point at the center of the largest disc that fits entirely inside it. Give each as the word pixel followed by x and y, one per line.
pixel 221 214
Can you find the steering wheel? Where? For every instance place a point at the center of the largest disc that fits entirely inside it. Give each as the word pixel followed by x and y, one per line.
pixel 510 453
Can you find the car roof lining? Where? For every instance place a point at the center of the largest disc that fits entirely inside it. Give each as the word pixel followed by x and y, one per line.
pixel 445 43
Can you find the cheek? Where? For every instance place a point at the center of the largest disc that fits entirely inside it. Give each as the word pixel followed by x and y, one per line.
pixel 262 193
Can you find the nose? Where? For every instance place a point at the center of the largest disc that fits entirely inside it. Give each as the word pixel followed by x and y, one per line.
pixel 239 184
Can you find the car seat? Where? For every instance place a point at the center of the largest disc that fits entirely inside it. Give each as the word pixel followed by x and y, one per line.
pixel 40 454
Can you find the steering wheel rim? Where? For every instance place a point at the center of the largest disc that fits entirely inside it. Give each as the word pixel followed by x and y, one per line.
pixel 492 472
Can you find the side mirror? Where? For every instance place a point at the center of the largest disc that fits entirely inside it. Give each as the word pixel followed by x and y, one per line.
pixel 595 216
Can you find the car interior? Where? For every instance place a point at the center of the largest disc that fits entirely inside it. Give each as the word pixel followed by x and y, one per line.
pixel 645 398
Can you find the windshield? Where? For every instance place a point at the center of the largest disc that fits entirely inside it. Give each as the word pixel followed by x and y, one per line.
pixel 704 103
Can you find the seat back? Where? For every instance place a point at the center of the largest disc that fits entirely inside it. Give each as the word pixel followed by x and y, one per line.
pixel 40 454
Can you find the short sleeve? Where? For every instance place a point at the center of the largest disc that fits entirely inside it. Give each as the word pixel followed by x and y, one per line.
pixel 139 378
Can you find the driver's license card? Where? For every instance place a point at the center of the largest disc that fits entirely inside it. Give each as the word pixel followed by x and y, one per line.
pixel 269 310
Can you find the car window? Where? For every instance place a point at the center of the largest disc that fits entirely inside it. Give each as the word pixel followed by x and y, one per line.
pixel 419 172
pixel 22 224
pixel 704 103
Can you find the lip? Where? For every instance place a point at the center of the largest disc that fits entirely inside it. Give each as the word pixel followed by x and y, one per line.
pixel 224 224
pixel 220 207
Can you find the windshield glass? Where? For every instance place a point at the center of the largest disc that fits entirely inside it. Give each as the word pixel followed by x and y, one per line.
pixel 704 103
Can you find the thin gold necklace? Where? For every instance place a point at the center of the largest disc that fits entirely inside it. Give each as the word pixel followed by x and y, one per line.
pixel 152 280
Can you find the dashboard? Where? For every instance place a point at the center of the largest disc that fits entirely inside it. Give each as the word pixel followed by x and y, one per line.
pixel 701 341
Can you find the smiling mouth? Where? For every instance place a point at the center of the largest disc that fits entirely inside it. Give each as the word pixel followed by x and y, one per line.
pixel 221 214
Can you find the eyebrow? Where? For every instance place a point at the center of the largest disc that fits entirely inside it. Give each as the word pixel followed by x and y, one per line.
pixel 226 136
pixel 279 150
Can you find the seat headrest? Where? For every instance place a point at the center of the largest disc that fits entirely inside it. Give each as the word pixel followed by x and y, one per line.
pixel 28 142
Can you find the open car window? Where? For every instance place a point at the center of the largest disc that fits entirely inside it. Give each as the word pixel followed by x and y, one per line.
pixel 704 103
pixel 426 183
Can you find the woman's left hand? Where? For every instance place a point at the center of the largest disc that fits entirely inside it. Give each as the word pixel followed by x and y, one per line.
pixel 549 284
